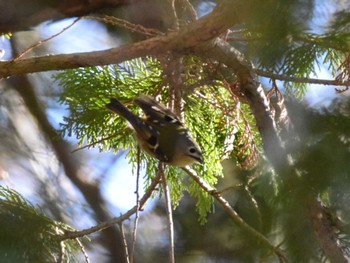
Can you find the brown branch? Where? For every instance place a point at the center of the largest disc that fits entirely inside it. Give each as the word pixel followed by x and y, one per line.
pixel 125 243
pixel 189 39
pixel 87 259
pixel 255 96
pixel 173 15
pixel 117 22
pixel 233 214
pixel 271 75
pixel 115 220
pixel 325 233
pixel 224 16
pixel 273 147
pixel 169 214
pixel 93 143
pixel 136 220
pixel 45 40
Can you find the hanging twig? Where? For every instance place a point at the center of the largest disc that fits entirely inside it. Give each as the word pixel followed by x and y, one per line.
pixel 173 15
pixel 93 143
pixel 234 216
pixel 132 253
pixel 63 246
pixel 114 21
pixel 332 82
pixel 124 242
pixel 115 220
pixel 169 214
pixel 87 260
pixel 45 40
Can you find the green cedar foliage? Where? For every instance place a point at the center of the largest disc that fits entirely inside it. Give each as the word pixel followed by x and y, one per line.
pixel 278 36
pixel 208 114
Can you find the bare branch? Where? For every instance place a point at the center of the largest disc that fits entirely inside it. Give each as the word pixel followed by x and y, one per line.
pixel 87 260
pixel 256 98
pixel 124 242
pixel 271 75
pixel 136 220
pixel 45 40
pixel 208 27
pixel 259 105
pixel 233 214
pixel 115 21
pixel 169 215
pixel 115 220
pixel 325 233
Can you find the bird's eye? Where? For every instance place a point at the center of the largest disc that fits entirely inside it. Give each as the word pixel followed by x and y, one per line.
pixel 193 150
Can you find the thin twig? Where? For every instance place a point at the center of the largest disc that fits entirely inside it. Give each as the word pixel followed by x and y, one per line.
pixel 169 215
pixel 192 10
pixel 124 241
pixel 134 236
pixel 271 75
pixel 174 17
pixel 115 220
pixel 62 246
pixel 39 43
pixel 93 143
pixel 87 260
pixel 253 201
pixel 233 214
pixel 229 188
pixel 151 32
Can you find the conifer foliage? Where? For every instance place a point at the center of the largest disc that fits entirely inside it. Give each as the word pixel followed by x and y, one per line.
pixel 275 179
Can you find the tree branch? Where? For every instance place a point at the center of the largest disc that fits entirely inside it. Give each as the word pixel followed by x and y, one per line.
pixel 223 52
pixel 301 80
pixel 325 233
pixel 115 220
pixel 224 16
pixel 272 144
pixel 169 214
pixel 233 214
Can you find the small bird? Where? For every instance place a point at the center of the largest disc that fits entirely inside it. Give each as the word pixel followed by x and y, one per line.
pixel 160 133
